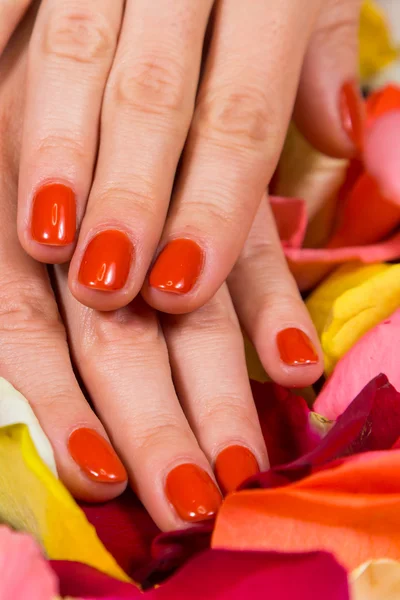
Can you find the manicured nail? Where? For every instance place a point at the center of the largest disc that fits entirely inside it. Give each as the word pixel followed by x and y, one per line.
pixel 233 466
pixel 178 267
pixel 352 112
pixel 53 220
pixel 106 262
pixel 295 348
pixel 192 493
pixel 95 456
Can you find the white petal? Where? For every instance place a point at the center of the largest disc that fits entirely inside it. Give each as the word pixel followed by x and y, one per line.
pixel 14 408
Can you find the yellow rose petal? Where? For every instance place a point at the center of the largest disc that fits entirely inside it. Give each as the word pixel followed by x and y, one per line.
pixel 376 580
pixel 351 302
pixel 32 499
pixel 377 49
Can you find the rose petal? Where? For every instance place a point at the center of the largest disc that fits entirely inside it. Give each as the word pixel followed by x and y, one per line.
pixel 24 573
pixel 382 153
pixel 349 303
pixel 291 220
pixel 125 528
pixel 376 580
pixel 221 575
pixel 285 422
pixel 350 510
pixel 81 581
pixel 371 422
pixel 373 354
pixel 14 408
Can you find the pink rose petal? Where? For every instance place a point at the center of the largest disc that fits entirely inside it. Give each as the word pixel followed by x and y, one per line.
pixel 291 220
pixel 24 573
pixel 374 353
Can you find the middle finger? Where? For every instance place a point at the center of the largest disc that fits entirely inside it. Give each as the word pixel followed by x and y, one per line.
pixel 146 113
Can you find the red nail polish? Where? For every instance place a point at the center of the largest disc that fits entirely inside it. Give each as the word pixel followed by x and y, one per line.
pixel 107 260
pixel 233 466
pixel 192 493
pixel 352 112
pixel 53 219
pixel 295 348
pixel 178 267
pixel 95 456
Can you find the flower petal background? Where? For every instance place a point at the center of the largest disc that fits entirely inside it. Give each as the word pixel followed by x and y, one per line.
pixel 24 573
pixel 33 500
pixel 349 303
pixel 350 509
pixel 224 575
pixel 376 580
pixel 374 353
pixel 14 408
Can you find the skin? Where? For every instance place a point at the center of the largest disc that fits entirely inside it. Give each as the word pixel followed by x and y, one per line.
pixel 118 93
pixel 142 360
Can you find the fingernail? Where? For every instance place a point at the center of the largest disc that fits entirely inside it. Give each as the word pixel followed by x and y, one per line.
pixel 352 112
pixel 178 267
pixel 192 493
pixel 106 262
pixel 95 456
pixel 53 219
pixel 296 348
pixel 233 466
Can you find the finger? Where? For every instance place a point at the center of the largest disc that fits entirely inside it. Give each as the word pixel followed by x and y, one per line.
pixel 124 364
pixel 270 308
pixel 11 12
pixel 71 51
pixel 146 113
pixel 34 354
pixel 329 108
pixel 243 108
pixel 209 369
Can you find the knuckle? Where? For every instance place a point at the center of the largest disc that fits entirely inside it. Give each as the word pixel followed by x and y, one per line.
pixel 243 115
pixel 158 431
pixel 29 308
pixel 64 143
pixel 124 332
pixel 80 36
pixel 138 201
pixel 152 85
pixel 225 408
pixel 211 320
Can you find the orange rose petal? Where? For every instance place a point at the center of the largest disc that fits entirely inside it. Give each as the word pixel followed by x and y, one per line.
pixel 351 510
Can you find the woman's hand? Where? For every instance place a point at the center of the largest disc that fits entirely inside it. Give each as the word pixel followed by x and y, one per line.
pixel 119 92
pixel 170 393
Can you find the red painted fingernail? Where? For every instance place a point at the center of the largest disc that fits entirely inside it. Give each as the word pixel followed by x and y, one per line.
pixel 192 493
pixel 233 466
pixel 53 220
pixel 106 263
pixel 95 456
pixel 178 267
pixel 295 348
pixel 352 112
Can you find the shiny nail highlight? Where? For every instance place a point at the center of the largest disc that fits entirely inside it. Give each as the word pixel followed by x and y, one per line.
pixel 95 456
pixel 295 348
pixel 53 218
pixel 107 260
pixel 178 267
pixel 233 466
pixel 192 493
pixel 352 112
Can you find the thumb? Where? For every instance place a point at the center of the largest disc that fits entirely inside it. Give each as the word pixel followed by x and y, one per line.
pixel 329 108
